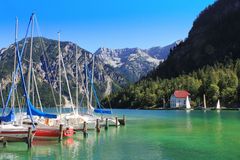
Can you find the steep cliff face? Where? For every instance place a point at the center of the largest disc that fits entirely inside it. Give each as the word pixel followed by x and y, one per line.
pixel 214 37
pixel 134 63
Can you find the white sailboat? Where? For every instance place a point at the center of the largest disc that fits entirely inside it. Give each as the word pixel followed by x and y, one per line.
pixel 73 118
pixel 218 107
pixel 188 106
pixel 204 102
pixel 9 129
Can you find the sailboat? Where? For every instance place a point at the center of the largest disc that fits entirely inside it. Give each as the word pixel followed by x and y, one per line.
pixel 9 129
pixel 73 119
pixel 43 130
pixel 218 107
pixel 205 104
pixel 188 106
pixel 99 109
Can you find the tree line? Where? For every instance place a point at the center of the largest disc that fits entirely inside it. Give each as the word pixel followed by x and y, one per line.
pixel 216 82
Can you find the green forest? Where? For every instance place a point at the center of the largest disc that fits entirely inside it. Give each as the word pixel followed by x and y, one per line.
pixel 216 82
pixel 206 62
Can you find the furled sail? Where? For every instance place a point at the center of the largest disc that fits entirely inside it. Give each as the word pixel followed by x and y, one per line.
pixel 8 118
pixel 36 112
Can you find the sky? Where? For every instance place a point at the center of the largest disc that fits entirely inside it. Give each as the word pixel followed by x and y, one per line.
pixel 103 23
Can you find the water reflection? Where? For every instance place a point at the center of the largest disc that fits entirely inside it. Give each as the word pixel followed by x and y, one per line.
pixel 219 127
pixel 188 120
pixel 73 148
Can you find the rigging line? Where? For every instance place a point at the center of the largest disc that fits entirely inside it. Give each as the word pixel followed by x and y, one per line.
pixel 30 58
pixel 18 66
pixel 24 85
pixel 59 76
pixel 92 78
pixel 19 106
pixel 82 84
pixel 46 61
pixel 36 86
pixel 76 81
pixel 86 80
pixel 66 78
pixel 18 101
pixel 95 93
pixel 2 98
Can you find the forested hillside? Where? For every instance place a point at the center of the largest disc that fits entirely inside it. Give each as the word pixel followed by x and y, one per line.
pixel 206 62
pixel 217 82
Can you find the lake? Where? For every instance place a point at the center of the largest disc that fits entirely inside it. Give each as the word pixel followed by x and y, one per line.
pixel 148 135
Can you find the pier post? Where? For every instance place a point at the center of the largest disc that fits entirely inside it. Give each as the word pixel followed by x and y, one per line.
pixel 106 125
pixel 61 132
pixel 116 123
pixel 29 138
pixel 98 126
pixel 124 120
pixel 85 134
pixel 4 143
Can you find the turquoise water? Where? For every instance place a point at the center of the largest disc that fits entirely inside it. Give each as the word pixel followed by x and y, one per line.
pixel 148 135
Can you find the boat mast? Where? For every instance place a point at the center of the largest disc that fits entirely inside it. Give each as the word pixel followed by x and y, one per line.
pixel 30 58
pixel 12 97
pixel 59 74
pixel 33 90
pixel 91 93
pixel 204 101
pixel 86 78
pixel 15 60
pixel 35 83
pixel 65 74
pixel 76 81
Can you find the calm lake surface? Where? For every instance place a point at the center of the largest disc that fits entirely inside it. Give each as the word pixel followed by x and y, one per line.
pixel 148 135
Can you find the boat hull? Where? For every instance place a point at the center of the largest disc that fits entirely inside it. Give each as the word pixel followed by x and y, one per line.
pixel 52 133
pixel 14 135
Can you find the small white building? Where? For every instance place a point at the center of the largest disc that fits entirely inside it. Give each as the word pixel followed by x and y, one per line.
pixel 178 99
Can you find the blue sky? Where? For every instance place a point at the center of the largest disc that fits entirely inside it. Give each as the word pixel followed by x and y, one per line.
pixel 104 23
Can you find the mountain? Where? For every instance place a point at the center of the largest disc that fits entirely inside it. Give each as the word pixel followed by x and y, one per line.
pixel 214 38
pixel 162 52
pixel 106 79
pixel 206 62
pixel 113 69
pixel 134 63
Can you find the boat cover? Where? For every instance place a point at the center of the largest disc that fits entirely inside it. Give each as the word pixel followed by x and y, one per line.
pixel 8 118
pixel 103 111
pixel 36 112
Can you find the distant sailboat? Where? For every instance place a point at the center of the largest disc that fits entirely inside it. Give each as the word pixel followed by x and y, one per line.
pixel 218 107
pixel 204 102
pixel 188 106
